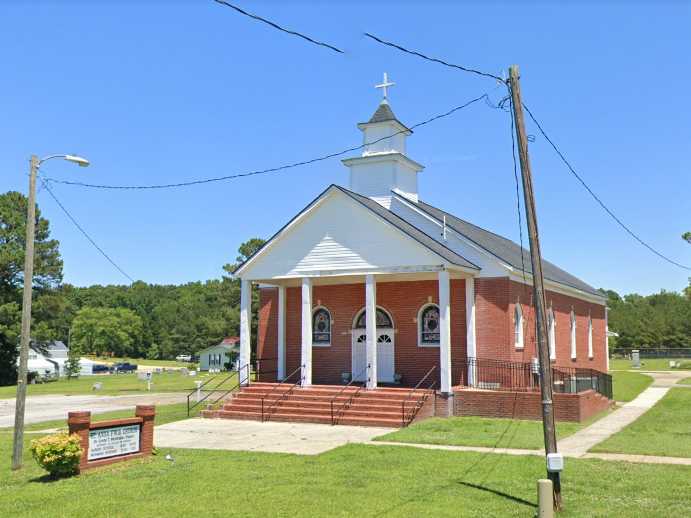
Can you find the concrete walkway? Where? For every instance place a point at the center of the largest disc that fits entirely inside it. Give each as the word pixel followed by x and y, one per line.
pixel 276 437
pixel 49 408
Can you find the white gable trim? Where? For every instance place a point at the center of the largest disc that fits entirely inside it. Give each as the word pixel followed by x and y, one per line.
pixel 425 256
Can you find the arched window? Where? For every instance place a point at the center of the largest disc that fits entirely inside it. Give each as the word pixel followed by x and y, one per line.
pixel 383 319
pixel 321 327
pixel 552 324
pixel 428 325
pixel 573 335
pixel 518 326
pixel 590 337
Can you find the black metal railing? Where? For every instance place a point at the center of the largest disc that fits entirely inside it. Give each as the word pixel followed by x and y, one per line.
pixel 203 389
pixel 408 415
pixel 335 416
pixel 490 374
pixel 266 411
pixel 264 367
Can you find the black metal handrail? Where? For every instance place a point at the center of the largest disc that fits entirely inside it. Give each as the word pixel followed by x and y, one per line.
pixel 259 371
pixel 285 394
pixel 215 389
pixel 349 401
pixel 420 401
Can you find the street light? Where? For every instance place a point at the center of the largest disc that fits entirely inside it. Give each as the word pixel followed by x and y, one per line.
pixel 22 376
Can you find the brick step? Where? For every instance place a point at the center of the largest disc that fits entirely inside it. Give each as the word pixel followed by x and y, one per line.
pixel 300 418
pixel 288 408
pixel 371 399
pixel 328 395
pixel 357 403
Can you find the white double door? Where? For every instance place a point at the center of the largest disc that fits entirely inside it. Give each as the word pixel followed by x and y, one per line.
pixel 385 355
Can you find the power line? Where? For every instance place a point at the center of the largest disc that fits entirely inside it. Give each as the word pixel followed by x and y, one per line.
pixel 272 169
pixel 276 26
pixel 79 227
pixel 597 198
pixel 518 191
pixel 434 60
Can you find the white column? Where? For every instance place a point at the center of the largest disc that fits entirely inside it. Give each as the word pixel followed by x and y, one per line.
pixel 606 338
pixel 281 345
pixel 245 328
pixel 371 329
pixel 306 332
pixel 471 345
pixel 444 332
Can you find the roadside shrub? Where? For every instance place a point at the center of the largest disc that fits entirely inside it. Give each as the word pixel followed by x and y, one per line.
pixel 58 454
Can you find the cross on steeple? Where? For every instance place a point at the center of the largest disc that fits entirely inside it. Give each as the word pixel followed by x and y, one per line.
pixel 384 86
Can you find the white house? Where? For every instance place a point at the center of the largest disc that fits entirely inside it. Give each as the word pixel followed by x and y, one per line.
pixel 217 356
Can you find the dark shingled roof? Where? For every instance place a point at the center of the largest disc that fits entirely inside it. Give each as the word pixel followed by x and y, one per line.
pixel 383 113
pixel 504 249
pixel 422 238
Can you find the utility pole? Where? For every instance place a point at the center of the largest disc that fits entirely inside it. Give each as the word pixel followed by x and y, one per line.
pixel 22 376
pixel 538 283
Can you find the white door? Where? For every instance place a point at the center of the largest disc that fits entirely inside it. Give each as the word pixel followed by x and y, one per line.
pixel 385 355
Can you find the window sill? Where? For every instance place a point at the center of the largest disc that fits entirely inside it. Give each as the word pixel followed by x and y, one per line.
pixel 427 346
pixel 320 345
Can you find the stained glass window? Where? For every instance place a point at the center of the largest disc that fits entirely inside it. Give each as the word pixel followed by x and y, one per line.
pixel 429 325
pixel 321 327
pixel 383 320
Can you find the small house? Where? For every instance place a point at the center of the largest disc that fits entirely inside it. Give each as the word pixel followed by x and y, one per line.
pixel 217 356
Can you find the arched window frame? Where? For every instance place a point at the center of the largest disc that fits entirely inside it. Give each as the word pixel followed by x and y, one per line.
pixel 574 352
pixel 590 337
pixel 318 338
pixel 420 322
pixel 380 309
pixel 552 334
pixel 518 334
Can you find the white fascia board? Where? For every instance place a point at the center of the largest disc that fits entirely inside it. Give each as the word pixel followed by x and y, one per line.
pixel 291 224
pixel 407 131
pixel 558 287
pixel 383 157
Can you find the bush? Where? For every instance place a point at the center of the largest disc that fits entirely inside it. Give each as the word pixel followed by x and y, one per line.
pixel 58 454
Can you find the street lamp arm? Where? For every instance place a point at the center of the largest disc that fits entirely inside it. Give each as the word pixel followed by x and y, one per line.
pixel 80 161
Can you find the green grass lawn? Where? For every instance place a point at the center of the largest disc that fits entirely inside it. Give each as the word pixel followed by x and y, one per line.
pixel 354 480
pixel 120 384
pixel 664 430
pixel 478 431
pixel 652 364
pixel 685 381
pixel 141 361
pixel 627 385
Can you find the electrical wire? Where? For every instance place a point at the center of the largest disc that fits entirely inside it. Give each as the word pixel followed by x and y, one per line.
pixel 272 169
pixel 434 60
pixel 276 26
pixel 597 198
pixel 79 227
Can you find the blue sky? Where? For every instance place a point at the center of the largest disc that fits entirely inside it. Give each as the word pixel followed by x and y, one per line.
pixel 157 92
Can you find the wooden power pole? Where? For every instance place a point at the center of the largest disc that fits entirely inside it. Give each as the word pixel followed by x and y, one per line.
pixel 538 282
pixel 22 378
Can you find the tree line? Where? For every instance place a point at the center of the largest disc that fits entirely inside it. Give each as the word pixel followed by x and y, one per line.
pixel 140 320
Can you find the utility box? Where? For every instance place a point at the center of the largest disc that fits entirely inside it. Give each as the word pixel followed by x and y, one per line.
pixel 555 462
pixel 636 359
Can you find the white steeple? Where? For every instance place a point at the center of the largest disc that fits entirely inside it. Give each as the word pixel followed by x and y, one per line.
pixel 383 166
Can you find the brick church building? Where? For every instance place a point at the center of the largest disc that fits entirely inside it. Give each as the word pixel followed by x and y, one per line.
pixel 373 285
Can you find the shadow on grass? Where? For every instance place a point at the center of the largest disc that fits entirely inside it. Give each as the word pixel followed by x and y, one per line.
pixel 49 478
pixel 499 493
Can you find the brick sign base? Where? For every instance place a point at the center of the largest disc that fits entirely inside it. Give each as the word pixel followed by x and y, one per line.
pixel 80 423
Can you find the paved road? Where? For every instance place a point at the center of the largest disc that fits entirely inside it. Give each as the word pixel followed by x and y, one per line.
pixel 49 408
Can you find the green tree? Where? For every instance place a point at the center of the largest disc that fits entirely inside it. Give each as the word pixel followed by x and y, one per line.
pixel 114 331
pixel 686 236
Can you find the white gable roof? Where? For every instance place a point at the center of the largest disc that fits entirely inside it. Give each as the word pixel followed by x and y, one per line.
pixel 344 232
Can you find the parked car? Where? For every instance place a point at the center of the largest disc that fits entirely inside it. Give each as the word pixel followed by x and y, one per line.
pixel 99 368
pixel 123 367
pixel 184 357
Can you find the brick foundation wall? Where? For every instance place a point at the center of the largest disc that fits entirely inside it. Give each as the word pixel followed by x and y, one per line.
pixel 80 423
pixel 527 405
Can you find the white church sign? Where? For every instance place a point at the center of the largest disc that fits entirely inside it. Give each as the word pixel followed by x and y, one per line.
pixel 113 441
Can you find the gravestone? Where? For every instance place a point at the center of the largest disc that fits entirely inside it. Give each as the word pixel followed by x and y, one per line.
pixel 636 359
